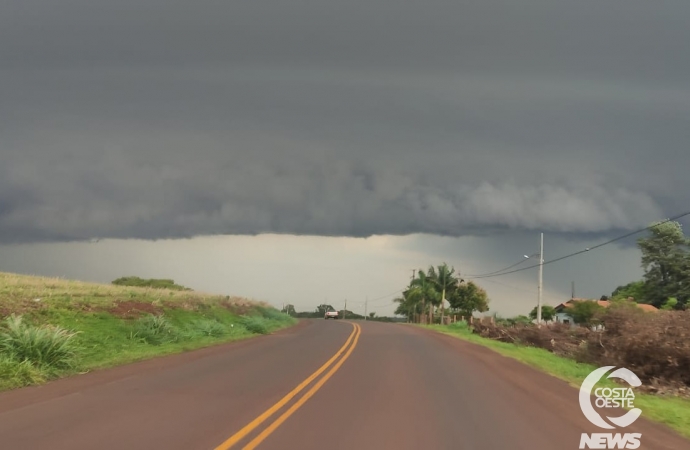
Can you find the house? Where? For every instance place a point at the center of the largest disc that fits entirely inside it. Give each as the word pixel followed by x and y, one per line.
pixel 562 315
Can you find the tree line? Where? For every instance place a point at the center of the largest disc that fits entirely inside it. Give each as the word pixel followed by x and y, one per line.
pixel 425 298
pixel 155 283
pixel 666 263
pixel 665 284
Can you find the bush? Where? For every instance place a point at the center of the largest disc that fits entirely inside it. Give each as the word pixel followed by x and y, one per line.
pixel 45 346
pixel 155 330
pixel 559 339
pixel 656 346
pixel 208 327
pixel 274 314
pixel 14 373
pixel 256 325
pixel 459 325
pixel 151 283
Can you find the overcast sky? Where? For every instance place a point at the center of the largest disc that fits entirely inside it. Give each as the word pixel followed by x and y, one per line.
pixel 484 121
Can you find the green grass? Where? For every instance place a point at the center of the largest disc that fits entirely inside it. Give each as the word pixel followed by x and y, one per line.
pixel 78 327
pixel 15 373
pixel 672 411
pixel 42 346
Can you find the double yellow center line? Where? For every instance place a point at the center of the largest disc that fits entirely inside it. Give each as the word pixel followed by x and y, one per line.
pixel 251 426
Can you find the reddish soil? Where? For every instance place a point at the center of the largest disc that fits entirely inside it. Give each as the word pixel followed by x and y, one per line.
pixel 131 309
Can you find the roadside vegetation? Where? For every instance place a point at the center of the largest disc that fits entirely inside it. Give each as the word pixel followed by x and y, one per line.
pixel 52 328
pixel 429 292
pixel 670 407
pixel 156 283
pixel 653 342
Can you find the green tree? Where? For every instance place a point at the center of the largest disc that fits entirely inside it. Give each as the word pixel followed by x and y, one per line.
pixel 666 261
pixel 467 298
pixel 547 313
pixel 290 310
pixel 323 308
pixel 670 304
pixel 422 290
pixel 405 308
pixel 586 312
pixel 633 289
pixel 520 320
pixel 372 315
pixel 444 281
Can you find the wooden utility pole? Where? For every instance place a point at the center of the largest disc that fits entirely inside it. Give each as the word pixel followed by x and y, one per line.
pixel 541 272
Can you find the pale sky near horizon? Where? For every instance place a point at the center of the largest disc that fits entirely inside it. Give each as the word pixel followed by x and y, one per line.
pixel 308 270
pixel 198 137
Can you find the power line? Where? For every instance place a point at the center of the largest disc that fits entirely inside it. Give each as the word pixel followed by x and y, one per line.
pixel 386 296
pixel 386 305
pixel 491 275
pixel 497 271
pixel 510 287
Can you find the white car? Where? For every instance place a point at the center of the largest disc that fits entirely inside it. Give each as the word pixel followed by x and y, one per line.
pixel 331 315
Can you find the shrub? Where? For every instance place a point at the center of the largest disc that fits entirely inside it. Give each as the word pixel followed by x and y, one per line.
pixel 15 373
pixel 151 283
pixel 208 327
pixel 46 346
pixel 273 314
pixel 155 330
pixel 459 325
pixel 557 338
pixel 653 345
pixel 586 312
pixel 256 325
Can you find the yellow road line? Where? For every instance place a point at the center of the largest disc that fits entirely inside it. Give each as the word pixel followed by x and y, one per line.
pixel 272 427
pixel 235 438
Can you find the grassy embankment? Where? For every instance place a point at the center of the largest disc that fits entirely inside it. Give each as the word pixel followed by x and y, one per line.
pixel 672 411
pixel 52 328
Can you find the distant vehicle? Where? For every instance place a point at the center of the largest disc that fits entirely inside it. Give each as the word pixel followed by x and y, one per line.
pixel 331 315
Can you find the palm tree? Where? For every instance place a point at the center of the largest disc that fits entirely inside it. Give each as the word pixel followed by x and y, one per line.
pixel 406 307
pixel 444 281
pixel 422 290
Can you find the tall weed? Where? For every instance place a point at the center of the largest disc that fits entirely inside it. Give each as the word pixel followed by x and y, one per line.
pixel 274 314
pixel 255 324
pixel 208 327
pixel 14 374
pixel 44 346
pixel 155 330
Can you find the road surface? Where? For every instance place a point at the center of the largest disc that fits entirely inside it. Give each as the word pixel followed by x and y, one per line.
pixel 320 385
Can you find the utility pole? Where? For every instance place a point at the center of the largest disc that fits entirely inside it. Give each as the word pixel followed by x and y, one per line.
pixel 541 273
pixel 414 314
pixel 572 295
pixel 345 310
pixel 365 308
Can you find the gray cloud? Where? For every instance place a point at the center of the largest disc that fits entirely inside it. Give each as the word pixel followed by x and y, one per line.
pixel 156 119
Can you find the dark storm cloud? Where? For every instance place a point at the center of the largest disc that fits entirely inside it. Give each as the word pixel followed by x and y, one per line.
pixel 165 119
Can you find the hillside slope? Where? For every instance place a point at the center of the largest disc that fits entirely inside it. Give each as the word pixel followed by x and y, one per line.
pixel 51 327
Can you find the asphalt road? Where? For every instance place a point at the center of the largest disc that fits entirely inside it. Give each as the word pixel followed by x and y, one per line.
pixel 387 386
